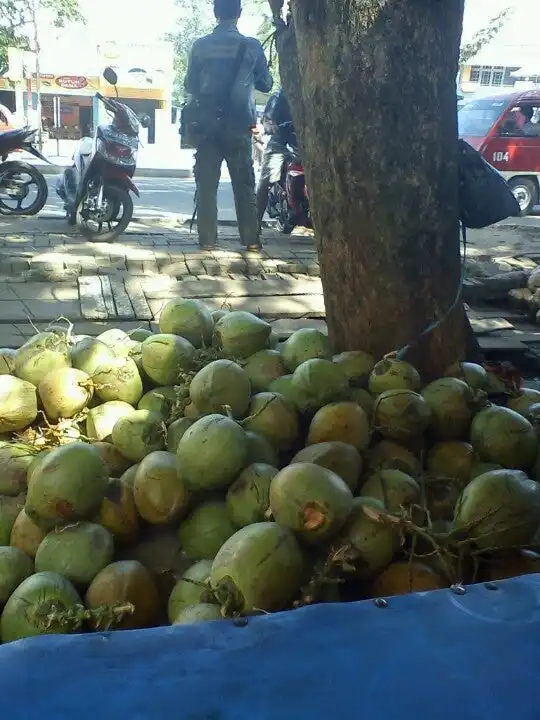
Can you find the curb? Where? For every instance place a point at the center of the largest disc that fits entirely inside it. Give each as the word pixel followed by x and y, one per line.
pixel 179 173
pixel 180 221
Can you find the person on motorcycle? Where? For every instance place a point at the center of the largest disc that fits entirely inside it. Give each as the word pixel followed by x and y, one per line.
pixel 224 124
pixel 276 112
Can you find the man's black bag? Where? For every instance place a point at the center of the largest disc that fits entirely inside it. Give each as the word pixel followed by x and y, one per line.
pixel 485 197
pixel 200 119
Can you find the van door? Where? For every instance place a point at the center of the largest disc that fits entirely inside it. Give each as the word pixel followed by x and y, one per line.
pixel 515 151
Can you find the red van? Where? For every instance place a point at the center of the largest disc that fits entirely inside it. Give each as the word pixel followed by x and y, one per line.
pixel 506 130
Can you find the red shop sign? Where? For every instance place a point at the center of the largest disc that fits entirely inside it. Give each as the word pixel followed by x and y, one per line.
pixel 72 82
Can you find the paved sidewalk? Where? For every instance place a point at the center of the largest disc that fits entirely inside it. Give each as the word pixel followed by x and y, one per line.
pixel 48 271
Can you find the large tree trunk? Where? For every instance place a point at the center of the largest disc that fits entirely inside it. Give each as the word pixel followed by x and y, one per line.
pixel 372 86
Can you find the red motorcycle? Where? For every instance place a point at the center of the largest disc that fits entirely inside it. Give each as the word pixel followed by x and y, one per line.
pixel 288 200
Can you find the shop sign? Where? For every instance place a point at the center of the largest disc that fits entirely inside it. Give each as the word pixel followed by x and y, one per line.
pixel 71 82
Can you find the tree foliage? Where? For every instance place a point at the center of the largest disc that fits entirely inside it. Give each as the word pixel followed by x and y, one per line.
pixel 483 37
pixel 16 21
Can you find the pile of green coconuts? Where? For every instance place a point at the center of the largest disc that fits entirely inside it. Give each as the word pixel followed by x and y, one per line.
pixel 212 470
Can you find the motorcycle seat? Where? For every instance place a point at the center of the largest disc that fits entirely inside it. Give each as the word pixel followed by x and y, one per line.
pixel 16 135
pixel 85 146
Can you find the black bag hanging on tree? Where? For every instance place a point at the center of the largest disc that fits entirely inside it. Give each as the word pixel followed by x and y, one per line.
pixel 485 198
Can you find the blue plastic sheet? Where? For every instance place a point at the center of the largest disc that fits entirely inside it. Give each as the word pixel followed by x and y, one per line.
pixel 433 656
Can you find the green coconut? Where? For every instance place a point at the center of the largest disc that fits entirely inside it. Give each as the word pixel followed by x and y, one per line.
pixel 192 588
pixel 474 375
pixel 275 418
pixel 189 318
pixel 502 436
pixel 522 401
pixel 248 497
pixel 357 365
pixel 119 380
pixel 205 530
pixel 218 314
pixel 32 608
pixel 373 542
pixel 401 415
pixel 15 566
pixel 263 368
pixel 138 434
pixel 393 488
pixel 68 485
pixel 392 374
pixel 261 450
pixel 176 431
pixel 212 453
pixel 452 407
pixel 118 512
pixel 284 386
pixel 219 385
pixel 317 383
pixel 311 500
pixel 166 358
pixel 140 334
pixel 160 493
pixel 125 581
pixel 26 535
pixel 500 509
pixel 451 460
pixel 10 507
pixel 44 352
pixel 240 334
pixel 161 401
pixel 7 361
pixel 388 455
pixel 65 392
pixel 260 568
pixel 18 404
pixel 37 460
pixel 90 355
pixel 364 399
pixel 102 419
pixel 339 457
pixel 120 342
pixel 78 552
pixel 305 344
pixel 15 460
pixel 194 614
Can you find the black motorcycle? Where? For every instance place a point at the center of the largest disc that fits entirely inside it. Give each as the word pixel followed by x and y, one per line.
pixel 20 181
pixel 96 188
pixel 288 200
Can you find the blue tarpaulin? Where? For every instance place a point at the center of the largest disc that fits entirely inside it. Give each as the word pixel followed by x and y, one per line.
pixel 438 656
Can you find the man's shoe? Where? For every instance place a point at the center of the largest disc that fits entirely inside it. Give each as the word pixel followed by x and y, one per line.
pixel 254 247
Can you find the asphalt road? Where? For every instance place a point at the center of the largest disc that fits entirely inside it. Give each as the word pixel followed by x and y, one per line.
pixel 160 197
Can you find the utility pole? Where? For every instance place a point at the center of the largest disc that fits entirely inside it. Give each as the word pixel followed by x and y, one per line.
pixel 34 6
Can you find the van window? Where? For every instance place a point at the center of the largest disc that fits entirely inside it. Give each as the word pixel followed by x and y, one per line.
pixel 522 121
pixel 478 117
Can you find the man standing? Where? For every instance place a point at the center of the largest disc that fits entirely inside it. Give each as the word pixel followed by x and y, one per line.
pixel 224 68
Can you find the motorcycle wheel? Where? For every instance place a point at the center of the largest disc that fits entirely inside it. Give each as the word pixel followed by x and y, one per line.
pixel 10 171
pixel 284 223
pixel 119 201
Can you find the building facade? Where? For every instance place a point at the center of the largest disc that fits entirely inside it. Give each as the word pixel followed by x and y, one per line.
pixel 70 74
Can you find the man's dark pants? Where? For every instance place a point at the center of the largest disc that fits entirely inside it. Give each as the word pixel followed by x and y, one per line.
pixel 236 150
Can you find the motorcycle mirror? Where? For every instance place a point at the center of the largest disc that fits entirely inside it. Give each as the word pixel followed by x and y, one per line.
pixel 145 121
pixel 110 76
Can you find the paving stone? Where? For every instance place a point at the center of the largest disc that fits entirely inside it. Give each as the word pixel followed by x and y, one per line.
pixel 134 266
pixel 176 269
pixel 140 305
pixel 124 308
pixel 43 291
pixel 10 337
pixel 195 267
pixel 12 310
pixel 51 310
pixel 92 302
pixel 7 292
pixel 212 267
pixel 106 292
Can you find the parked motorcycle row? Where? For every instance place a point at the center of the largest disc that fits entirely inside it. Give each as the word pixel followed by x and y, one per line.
pixel 95 189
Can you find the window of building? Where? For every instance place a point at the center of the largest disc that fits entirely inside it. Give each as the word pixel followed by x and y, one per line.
pixel 493 75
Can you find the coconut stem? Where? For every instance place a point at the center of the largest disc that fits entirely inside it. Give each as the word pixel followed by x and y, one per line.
pixel 103 617
pixel 339 563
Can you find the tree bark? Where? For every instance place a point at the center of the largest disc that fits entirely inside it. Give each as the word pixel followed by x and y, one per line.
pixel 372 88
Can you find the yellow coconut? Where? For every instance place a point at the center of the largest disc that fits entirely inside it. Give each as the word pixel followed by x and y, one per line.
pixel 403 577
pixel 451 460
pixel 344 422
